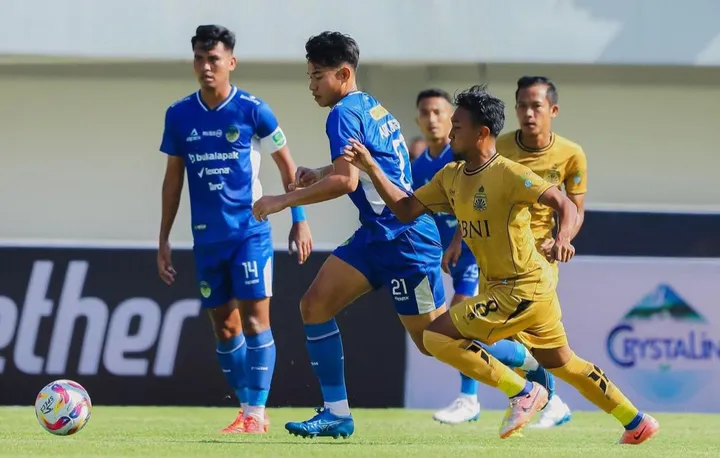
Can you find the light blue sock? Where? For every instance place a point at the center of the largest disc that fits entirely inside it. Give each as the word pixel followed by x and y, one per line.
pixel 511 354
pixel 325 348
pixel 232 357
pixel 468 386
pixel 261 366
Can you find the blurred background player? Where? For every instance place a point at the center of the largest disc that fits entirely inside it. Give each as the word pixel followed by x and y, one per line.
pixel 490 195
pixel 405 258
pixel 560 162
pixel 218 134
pixel 416 148
pixel 434 111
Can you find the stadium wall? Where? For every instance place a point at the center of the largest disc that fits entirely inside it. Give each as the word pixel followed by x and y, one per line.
pixel 79 141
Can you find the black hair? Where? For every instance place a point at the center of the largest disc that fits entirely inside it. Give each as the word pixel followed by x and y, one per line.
pixel 485 109
pixel 332 49
pixel 208 36
pixel 529 81
pixel 430 94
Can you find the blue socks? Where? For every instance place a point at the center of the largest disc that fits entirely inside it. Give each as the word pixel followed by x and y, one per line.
pixel 468 386
pixel 325 348
pixel 635 422
pixel 261 366
pixel 511 354
pixel 232 357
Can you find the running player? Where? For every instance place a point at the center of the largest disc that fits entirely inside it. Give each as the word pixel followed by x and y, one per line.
pixel 490 195
pixel 434 109
pixel 218 135
pixel 405 258
pixel 561 163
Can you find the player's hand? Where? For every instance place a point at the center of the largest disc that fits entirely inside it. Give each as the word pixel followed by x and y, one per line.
pixel 164 263
pixel 268 205
pixel 359 156
pixel 305 177
pixel 302 239
pixel 563 250
pixel 451 255
pixel 546 249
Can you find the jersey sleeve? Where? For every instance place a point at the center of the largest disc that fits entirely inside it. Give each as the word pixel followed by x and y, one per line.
pixel 267 129
pixel 524 185
pixel 576 174
pixel 169 144
pixel 341 125
pixel 434 195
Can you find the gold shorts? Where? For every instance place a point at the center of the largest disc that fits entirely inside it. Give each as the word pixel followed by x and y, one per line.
pixel 495 314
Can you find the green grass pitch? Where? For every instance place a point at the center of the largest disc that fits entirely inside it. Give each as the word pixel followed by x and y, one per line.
pixel 192 432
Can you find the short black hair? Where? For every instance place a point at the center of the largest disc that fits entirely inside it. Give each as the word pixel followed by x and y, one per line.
pixel 431 94
pixel 529 81
pixel 208 36
pixel 332 49
pixel 485 109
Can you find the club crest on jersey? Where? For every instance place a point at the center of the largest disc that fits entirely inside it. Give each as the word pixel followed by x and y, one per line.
pixel 480 199
pixel 232 134
pixel 578 178
pixel 553 175
pixel 205 290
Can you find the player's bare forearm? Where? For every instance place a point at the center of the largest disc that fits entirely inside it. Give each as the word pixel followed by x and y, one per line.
pixel 579 201
pixel 325 171
pixel 329 188
pixel 406 208
pixel 566 211
pixel 286 166
pixel 171 192
pixel 457 238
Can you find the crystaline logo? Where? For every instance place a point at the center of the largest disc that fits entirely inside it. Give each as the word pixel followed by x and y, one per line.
pixel 107 336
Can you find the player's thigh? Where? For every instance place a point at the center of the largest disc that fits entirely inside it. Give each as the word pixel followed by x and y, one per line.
pixel 546 336
pixel 344 276
pixel 212 272
pixel 494 314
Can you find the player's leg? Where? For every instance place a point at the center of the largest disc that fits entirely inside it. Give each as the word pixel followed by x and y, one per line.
pixel 212 272
pixel 252 278
pixel 556 412
pixel 551 349
pixel 345 276
pixel 466 406
pixel 490 316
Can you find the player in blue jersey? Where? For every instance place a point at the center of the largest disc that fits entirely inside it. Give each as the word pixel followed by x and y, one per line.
pixel 218 134
pixel 434 112
pixel 405 258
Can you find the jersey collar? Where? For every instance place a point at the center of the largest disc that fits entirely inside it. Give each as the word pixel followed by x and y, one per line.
pixel 429 157
pixel 233 92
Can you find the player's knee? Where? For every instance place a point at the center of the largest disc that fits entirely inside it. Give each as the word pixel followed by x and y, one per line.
pixel 226 322
pixel 553 358
pixel 434 343
pixel 313 309
pixel 419 340
pixel 255 316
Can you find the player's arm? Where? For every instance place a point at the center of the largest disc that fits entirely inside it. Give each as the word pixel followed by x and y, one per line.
pixel 407 207
pixel 171 192
pixel 566 210
pixel 174 177
pixel 526 187
pixel 576 185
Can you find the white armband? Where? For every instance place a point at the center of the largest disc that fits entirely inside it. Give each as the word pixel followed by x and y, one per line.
pixel 273 142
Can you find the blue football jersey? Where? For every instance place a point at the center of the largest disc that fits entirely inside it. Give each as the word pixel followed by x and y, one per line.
pixel 424 169
pixel 360 116
pixel 222 149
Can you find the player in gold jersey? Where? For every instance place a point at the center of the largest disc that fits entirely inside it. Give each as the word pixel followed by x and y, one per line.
pixel 561 163
pixel 490 195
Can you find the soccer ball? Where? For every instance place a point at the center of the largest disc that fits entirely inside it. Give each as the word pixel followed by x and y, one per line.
pixel 63 407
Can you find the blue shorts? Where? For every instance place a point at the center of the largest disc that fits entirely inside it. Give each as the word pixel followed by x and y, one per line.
pixel 240 269
pixel 465 275
pixel 409 266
